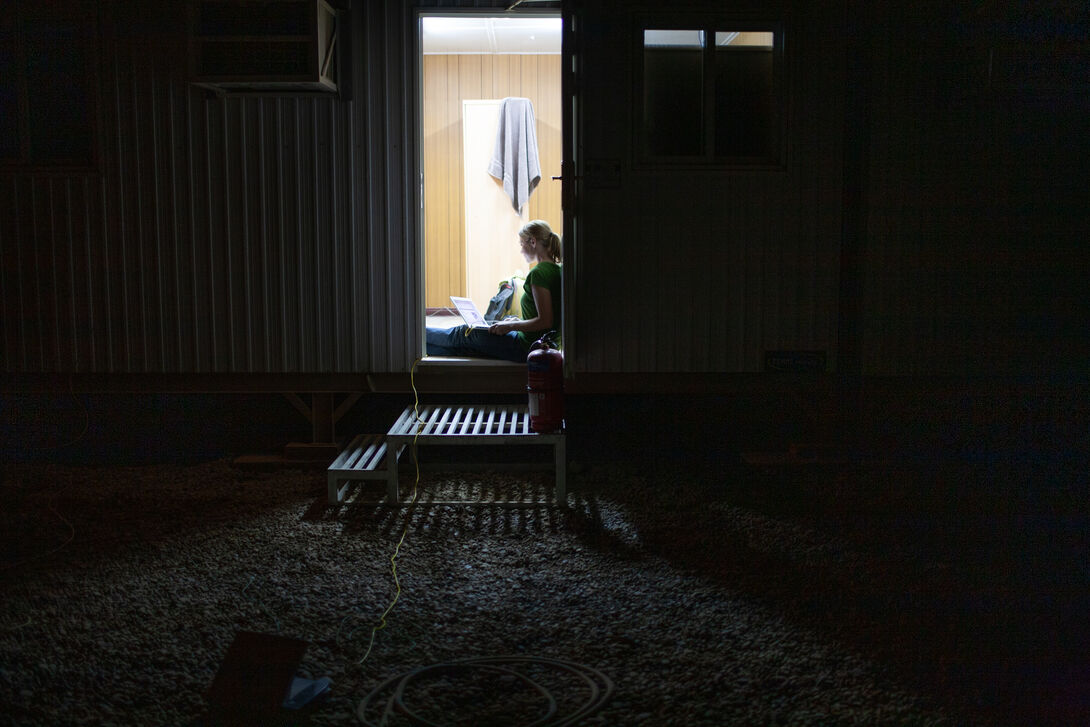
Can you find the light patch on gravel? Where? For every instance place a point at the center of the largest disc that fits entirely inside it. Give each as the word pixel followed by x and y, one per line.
pixel 128 622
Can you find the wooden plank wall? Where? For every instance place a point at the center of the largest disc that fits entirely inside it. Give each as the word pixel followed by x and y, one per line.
pixel 449 80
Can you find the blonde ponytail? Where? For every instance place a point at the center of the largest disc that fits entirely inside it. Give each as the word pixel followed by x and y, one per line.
pixel 543 233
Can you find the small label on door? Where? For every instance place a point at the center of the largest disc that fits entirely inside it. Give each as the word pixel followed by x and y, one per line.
pixel 602 173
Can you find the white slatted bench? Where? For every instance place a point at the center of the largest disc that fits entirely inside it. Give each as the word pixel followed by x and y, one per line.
pixel 465 424
pixel 363 459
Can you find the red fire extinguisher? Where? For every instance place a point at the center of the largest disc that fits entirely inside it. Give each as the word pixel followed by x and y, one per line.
pixel 545 384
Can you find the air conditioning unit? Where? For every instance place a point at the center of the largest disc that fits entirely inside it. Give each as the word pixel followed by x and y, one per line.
pixel 264 45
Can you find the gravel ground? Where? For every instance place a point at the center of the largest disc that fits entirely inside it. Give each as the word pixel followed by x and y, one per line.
pixel 703 598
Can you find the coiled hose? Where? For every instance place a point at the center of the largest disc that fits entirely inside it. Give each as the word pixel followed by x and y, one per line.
pixel 599 689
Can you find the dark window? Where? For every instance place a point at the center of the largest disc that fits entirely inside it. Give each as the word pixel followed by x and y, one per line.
pixel 11 94
pixel 673 92
pixel 46 90
pixel 711 96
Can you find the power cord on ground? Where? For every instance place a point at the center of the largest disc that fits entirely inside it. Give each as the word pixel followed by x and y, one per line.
pixel 408 515
pixel 70 537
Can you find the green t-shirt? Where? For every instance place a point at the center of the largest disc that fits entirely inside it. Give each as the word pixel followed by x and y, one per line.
pixel 545 275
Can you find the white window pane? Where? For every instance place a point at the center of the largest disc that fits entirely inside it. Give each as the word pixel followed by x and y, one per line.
pixel 744 39
pixel 673 39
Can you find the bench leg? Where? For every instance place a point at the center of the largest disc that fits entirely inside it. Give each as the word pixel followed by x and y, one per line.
pixel 332 491
pixel 392 452
pixel 561 455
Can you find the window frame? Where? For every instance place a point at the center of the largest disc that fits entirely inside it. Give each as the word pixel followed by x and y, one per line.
pixel 86 23
pixel 708 159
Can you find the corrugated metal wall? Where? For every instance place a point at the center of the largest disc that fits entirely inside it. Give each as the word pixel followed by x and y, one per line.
pixel 973 262
pixel 933 290
pixel 706 269
pixel 237 234
pixel 280 234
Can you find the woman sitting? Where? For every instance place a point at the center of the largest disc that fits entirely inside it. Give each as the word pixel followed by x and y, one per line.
pixel 510 340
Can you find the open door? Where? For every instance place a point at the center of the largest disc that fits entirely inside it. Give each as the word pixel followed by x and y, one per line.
pixel 469 61
pixel 571 175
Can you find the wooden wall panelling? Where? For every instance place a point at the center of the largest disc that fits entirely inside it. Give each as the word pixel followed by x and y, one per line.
pixel 448 80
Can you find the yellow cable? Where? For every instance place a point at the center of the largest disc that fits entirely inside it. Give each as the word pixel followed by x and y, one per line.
pixel 63 519
pixel 412 501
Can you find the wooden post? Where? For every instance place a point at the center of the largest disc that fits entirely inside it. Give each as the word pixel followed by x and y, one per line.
pixel 321 419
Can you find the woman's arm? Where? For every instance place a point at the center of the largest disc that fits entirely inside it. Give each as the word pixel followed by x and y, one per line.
pixel 543 299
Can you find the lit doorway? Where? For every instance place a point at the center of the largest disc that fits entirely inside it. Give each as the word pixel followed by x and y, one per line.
pixel 469 63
